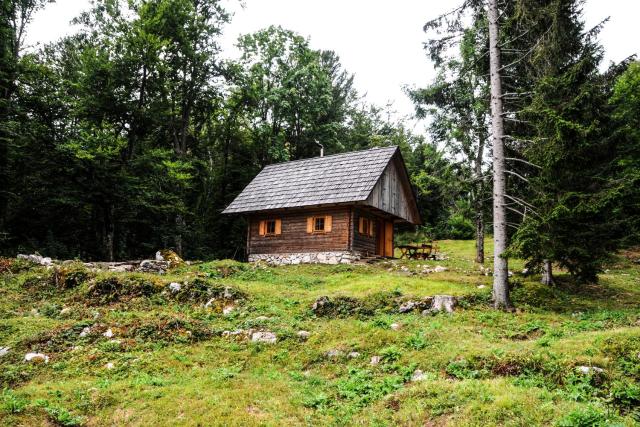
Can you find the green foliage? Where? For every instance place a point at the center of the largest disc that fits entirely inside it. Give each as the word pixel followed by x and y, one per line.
pixel 12 403
pixel 591 416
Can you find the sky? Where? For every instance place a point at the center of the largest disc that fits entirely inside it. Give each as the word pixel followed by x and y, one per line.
pixel 380 41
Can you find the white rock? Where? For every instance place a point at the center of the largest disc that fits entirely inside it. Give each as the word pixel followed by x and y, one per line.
pixel 233 333
pixel 86 331
pixel 265 337
pixel 395 326
pixel 228 293
pixel 109 366
pixel 353 355
pixel 159 256
pixel 228 309
pixel 481 286
pixel 175 287
pixel 418 375
pixel 443 303
pixel 375 360
pixel 65 311
pixel 4 351
pixel 586 370
pixel 46 261
pixel 208 304
pixel 36 358
pixel 303 335
pixel 440 269
pixel 333 354
pixel 108 333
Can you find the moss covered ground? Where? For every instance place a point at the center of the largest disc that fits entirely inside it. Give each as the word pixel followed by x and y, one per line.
pixel 170 362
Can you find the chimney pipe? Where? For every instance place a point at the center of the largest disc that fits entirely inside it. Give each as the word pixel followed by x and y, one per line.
pixel 321 148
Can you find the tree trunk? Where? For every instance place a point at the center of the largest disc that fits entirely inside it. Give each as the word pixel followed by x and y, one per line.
pixel 500 265
pixel 479 238
pixel 547 273
pixel 108 232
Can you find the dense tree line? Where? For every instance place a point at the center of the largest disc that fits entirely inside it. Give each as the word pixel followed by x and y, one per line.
pixel 134 133
pixel 570 160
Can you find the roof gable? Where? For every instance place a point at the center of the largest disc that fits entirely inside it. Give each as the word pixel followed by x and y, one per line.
pixel 338 178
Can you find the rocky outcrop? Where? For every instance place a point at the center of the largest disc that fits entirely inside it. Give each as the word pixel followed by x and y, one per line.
pixel 441 303
pixel 345 257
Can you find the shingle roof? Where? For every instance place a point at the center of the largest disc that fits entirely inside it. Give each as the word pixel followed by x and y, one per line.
pixel 337 178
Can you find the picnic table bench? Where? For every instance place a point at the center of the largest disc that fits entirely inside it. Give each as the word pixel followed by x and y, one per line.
pixel 419 251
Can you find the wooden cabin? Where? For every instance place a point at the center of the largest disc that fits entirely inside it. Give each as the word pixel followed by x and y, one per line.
pixel 332 209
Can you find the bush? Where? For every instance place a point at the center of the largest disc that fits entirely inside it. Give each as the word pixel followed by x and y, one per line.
pixel 12 403
pixel 583 417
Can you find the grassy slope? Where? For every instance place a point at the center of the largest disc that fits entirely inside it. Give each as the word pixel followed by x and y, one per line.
pixel 482 367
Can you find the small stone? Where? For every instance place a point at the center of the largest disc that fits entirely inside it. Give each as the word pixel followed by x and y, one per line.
pixel 395 326
pixel 174 287
pixel 4 351
pixel 482 286
pixel 108 333
pixel 264 337
pixel 418 375
pixel 209 303
pixel 375 360
pixel 440 269
pixel 86 331
pixel 233 333
pixel 109 366
pixel 65 311
pixel 36 358
pixel 228 309
pixel 353 355
pixel 586 370
pixel 159 256
pixel 333 354
pixel 262 318
pixel 303 335
pixel 228 293
pixel 407 307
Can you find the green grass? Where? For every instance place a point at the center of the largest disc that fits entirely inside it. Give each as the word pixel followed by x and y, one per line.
pixel 171 364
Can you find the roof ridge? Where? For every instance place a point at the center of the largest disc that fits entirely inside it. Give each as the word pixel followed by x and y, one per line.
pixel 330 155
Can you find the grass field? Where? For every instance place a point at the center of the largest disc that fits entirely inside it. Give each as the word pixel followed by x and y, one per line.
pixel 169 361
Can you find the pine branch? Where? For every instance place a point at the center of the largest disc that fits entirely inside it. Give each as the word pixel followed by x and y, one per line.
pixel 523 161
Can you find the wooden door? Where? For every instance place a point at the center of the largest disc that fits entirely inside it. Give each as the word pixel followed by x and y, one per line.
pixel 388 238
pixel 380 237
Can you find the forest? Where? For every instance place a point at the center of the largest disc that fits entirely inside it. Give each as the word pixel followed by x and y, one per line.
pixel 134 133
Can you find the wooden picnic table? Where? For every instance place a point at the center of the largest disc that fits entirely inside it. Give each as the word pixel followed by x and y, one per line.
pixel 419 251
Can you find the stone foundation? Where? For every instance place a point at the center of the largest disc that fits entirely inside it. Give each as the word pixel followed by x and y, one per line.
pixel 344 257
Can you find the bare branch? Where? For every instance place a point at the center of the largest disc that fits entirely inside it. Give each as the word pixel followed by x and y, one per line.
pixel 518 175
pixel 523 161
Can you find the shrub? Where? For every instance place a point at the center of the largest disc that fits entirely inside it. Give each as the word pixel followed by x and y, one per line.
pixel 462 369
pixel 12 403
pixel 583 417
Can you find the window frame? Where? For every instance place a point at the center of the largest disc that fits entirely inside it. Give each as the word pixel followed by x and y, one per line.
pixel 316 219
pixel 268 222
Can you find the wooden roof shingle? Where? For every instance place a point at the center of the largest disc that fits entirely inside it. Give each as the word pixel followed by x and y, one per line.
pixel 338 178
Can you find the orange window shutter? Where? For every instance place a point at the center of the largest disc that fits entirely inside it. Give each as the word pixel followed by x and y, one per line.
pixel 327 223
pixel 262 228
pixel 278 226
pixel 361 226
pixel 310 224
pixel 372 225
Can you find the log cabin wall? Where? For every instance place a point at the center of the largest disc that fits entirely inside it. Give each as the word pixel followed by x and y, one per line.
pixel 293 235
pixel 364 241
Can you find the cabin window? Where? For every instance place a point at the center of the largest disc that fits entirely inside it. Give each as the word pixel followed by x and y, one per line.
pixel 270 227
pixel 366 226
pixel 319 224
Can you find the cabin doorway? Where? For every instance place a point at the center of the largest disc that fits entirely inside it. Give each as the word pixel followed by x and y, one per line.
pixel 384 238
